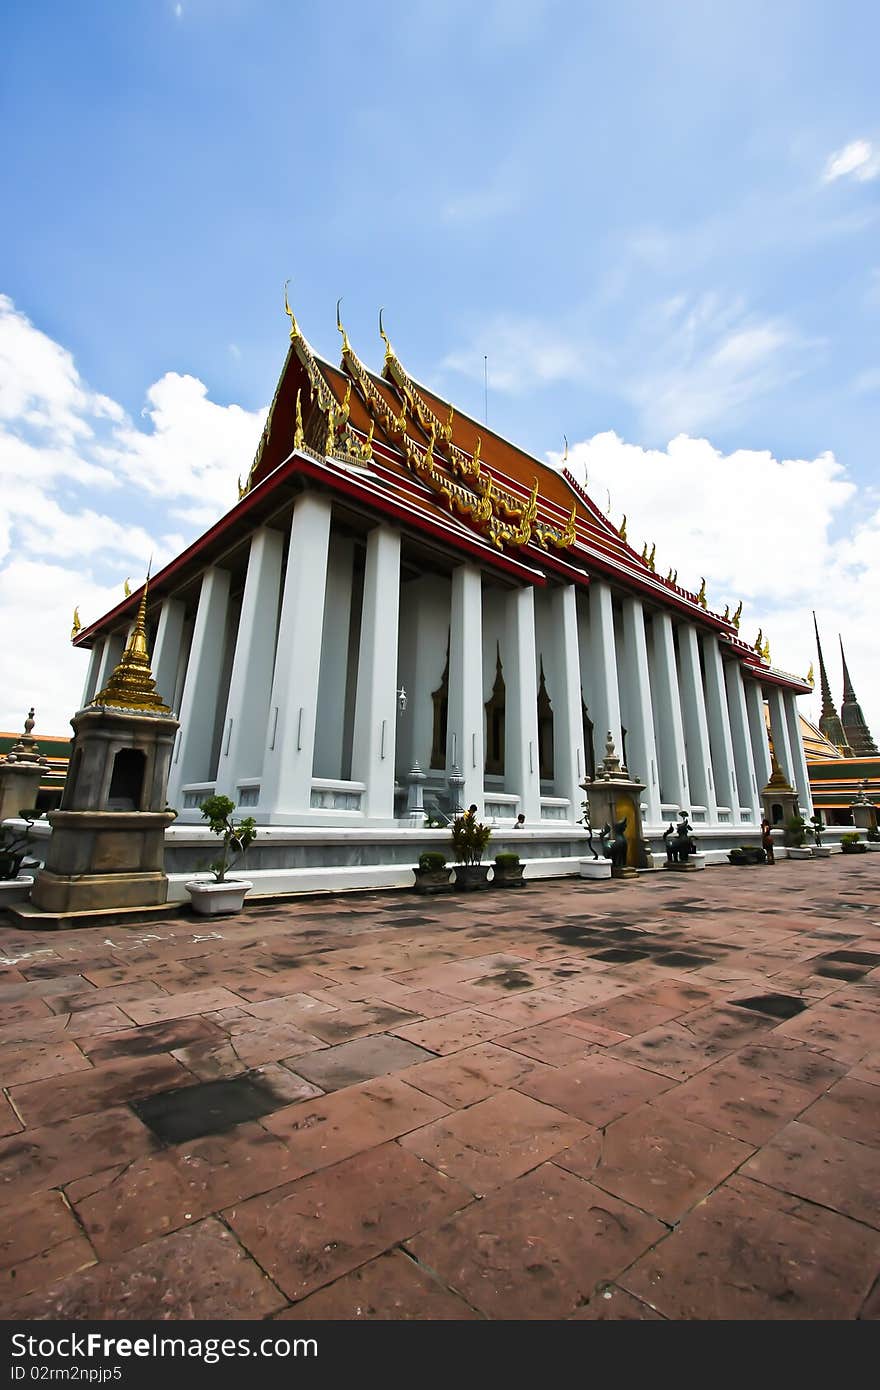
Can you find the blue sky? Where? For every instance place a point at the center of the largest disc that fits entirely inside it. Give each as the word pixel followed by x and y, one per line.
pixel 655 220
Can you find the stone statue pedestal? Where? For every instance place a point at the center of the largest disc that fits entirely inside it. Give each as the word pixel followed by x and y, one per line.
pixel 864 812
pixel 615 796
pixel 21 772
pixel 779 799
pixel 594 868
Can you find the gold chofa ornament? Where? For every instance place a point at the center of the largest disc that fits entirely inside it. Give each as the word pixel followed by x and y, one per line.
pixel 77 624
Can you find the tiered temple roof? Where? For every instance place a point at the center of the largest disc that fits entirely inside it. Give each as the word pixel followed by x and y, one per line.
pixel 396 448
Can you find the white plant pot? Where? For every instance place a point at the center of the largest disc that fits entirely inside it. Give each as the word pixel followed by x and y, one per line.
pixel 211 899
pixel 824 851
pixel 594 868
pixel 872 845
pixel 800 852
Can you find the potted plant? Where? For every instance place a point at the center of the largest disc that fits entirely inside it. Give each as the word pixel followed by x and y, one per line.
pixel 432 873
pixel 747 854
pixel 469 839
pixel 219 894
pixel 795 838
pixel 508 871
pixel 851 844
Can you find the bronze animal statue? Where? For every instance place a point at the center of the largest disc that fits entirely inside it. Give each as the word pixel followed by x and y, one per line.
pixel 614 843
pixel 679 841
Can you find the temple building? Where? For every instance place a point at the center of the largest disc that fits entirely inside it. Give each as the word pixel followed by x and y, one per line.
pixel 856 731
pixel 404 605
pixel 842 758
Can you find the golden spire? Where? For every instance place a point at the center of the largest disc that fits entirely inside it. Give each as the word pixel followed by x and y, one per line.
pixel 131 684
pixel 346 345
pixel 701 596
pixel 622 531
pixel 737 615
pixel 298 436
pixel 77 624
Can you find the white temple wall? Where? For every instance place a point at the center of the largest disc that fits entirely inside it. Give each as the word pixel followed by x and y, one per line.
pixel 598 658
pixel 668 726
pixel 376 705
pixel 637 703
pixel 749 803
pixel 720 734
pixel 703 806
pixel 422 654
pixel 191 766
pixel 758 733
pixel 464 735
pixel 798 753
pixel 90 685
pixel 222 729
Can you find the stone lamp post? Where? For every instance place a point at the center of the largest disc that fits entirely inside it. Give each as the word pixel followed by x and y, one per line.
pixel 21 772
pixel 615 796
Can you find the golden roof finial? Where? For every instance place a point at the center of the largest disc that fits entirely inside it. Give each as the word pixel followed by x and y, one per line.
pixel 241 493
pixel 811 679
pixel 346 345
pixel 298 436
pixel 77 624
pixel 766 651
pixel 368 442
pixel 565 450
pixel 447 428
pixel 701 596
pixel 669 576
pixel 651 565
pixel 675 577
pixel 126 588
pixel 727 612
pixel 737 615
pixel 759 642
pixel 645 552
pixel 622 531
pixel 389 351
pixel 131 684
pixel 294 326
pixel 476 454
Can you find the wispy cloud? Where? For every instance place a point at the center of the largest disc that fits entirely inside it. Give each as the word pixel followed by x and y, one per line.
pixel 859 160
pixel 522 353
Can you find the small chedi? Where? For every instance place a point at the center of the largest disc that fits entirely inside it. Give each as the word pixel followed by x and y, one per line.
pixel 106 851
pixel 21 772
pixel 613 800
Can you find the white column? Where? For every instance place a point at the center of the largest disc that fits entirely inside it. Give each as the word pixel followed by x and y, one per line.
pixel 521 764
pixel 113 649
pixel 333 683
pixel 286 786
pixel 464 730
pixel 696 727
pixel 758 733
pixel 243 737
pixel 198 706
pixel 720 736
pixel 166 649
pixel 779 731
pixel 669 729
pixel 375 717
pixel 798 755
pixel 605 699
pixel 641 748
pixel 569 765
pixel 746 777
pixel 96 657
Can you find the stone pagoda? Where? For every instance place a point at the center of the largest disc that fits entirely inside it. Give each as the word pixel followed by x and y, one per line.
pixel 21 772
pixel 106 851
pixel 855 727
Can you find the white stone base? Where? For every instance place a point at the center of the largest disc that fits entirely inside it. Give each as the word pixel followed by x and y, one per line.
pixel 212 899
pixel 800 852
pixel 824 851
pixel 872 844
pixel 15 890
pixel 594 868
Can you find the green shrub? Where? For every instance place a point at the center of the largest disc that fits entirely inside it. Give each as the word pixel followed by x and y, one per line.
pixel 469 838
pixel 507 861
pixel 432 862
pixel 851 839
pixel 795 831
pixel 235 837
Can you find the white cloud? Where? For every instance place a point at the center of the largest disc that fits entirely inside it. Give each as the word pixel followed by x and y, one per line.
pixel 784 535
pixel 858 158
pixel 80 493
pixel 867 382
pixel 521 352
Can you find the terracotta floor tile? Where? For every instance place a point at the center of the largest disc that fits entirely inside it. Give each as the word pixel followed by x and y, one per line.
pixel 656 1161
pixel 391 1288
pixel 754 1093
pixel 842 1030
pixel 312 1231
pixel 198 1273
pixel 752 1254
pixel 35 1061
pixel 495 1140
pixel 34 1225
pixel 245 1049
pixel 350 1063
pixel 37 1159
pixel 850 1110
pixel 109 1083
pixel 822 1168
pixel 150 1038
pixel 359 1021
pixel 332 1128
pixel 463 1078
pixel 534 1007
pixel 672 1050
pixel 538 1248
pixel 9 1121
pixel 291 1009
pixel 613 1304
pixel 554 1045
pixel 157 1010
pixel 453 1032
pixel 177 1187
pixel 598 1089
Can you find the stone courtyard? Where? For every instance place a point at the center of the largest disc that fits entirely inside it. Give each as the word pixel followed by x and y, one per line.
pixel 623 1100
